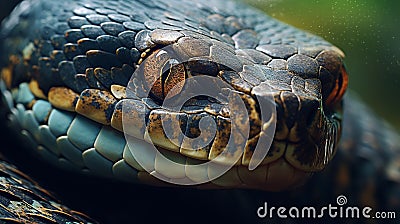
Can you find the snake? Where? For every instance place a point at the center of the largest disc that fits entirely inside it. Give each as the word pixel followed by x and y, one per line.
pixel 84 84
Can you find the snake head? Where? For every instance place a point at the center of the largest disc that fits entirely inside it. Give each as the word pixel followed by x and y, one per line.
pixel 291 98
pixel 255 96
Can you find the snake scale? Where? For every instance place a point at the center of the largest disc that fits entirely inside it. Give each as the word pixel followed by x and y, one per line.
pixel 70 69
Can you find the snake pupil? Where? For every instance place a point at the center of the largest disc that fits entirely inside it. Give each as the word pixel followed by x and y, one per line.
pixel 163 75
pixel 173 79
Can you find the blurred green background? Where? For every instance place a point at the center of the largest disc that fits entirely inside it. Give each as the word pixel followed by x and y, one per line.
pixel 368 31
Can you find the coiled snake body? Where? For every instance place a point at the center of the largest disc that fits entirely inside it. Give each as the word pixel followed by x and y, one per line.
pixel 68 68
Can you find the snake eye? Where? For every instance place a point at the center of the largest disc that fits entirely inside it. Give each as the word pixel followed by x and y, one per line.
pixel 339 88
pixel 164 75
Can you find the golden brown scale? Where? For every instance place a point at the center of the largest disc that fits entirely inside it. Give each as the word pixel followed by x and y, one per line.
pixel 118 91
pixel 35 89
pixel 97 105
pixel 6 72
pixel 63 98
pixel 201 150
pixel 156 131
pixel 221 137
pixel 254 116
pixel 116 119
pixel 134 122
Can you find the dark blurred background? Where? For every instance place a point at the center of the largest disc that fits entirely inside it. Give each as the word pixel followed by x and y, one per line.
pixel 366 30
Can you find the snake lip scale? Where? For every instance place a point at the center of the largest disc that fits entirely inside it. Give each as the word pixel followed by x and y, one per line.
pixel 78 75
